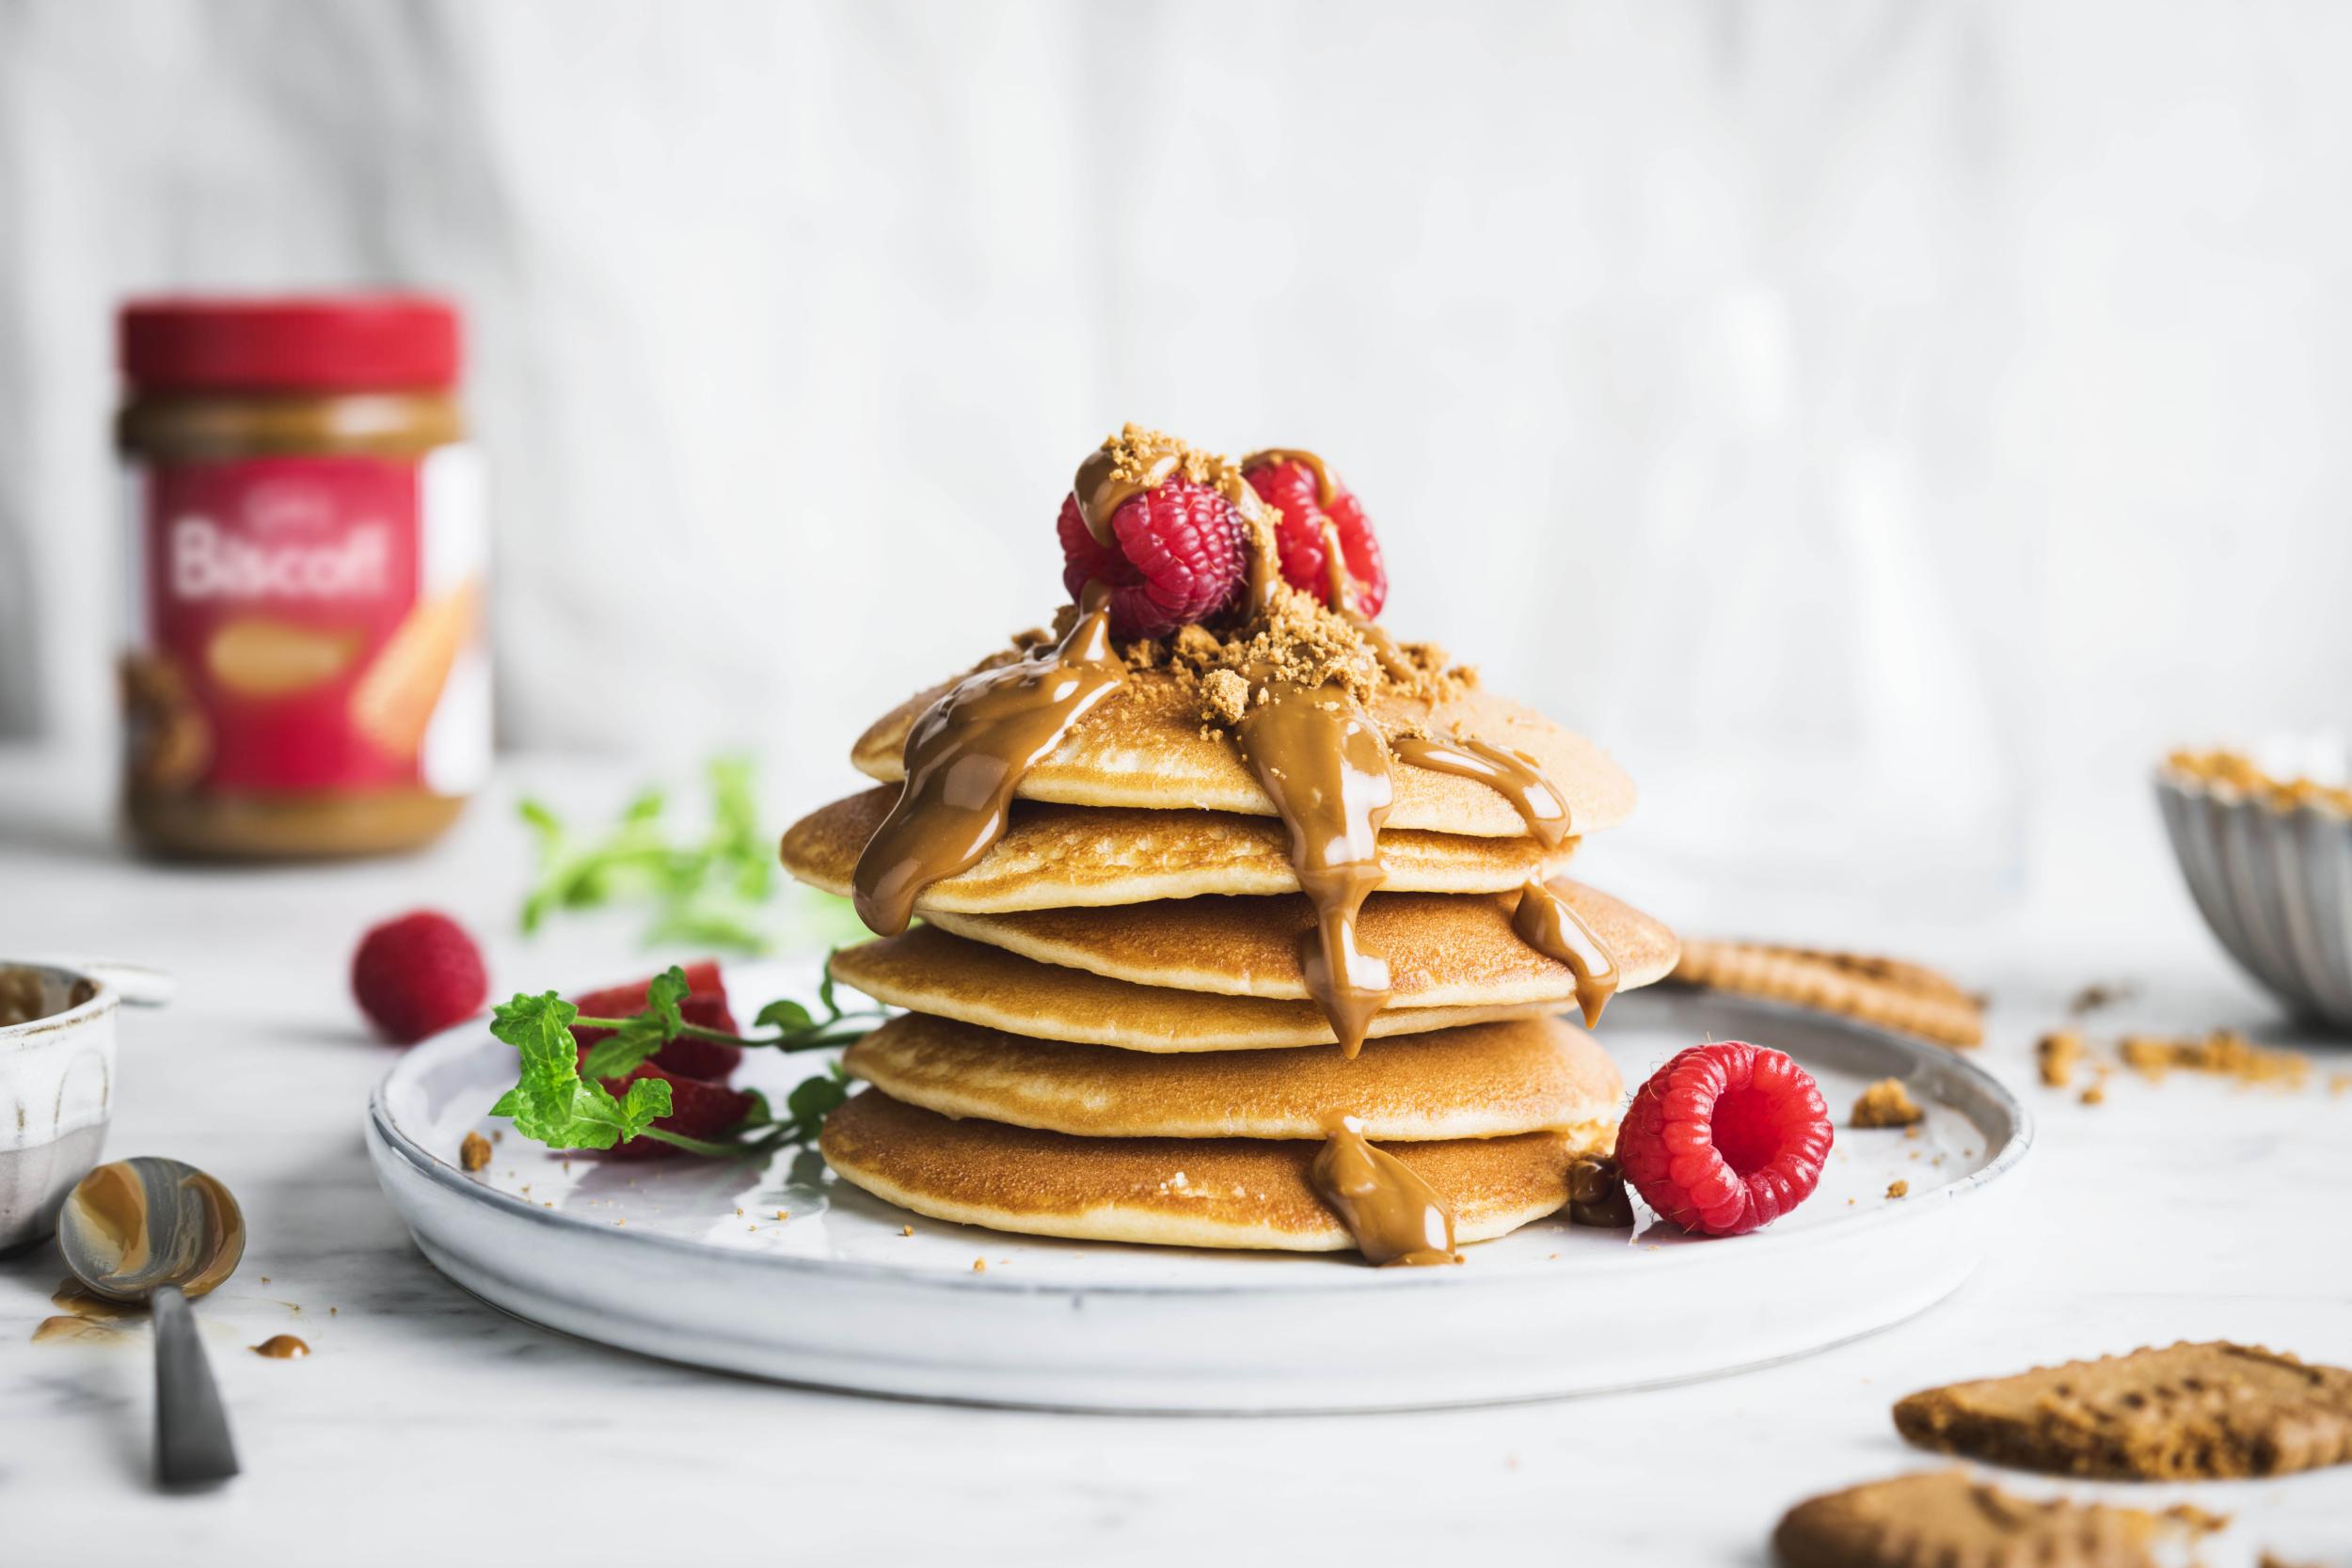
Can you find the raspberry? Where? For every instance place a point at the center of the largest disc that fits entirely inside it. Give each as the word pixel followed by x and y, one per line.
pixel 705 1004
pixel 1180 558
pixel 1290 488
pixel 417 975
pixel 1726 1137
pixel 698 1109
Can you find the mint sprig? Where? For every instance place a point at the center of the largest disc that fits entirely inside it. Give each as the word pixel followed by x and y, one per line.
pixel 551 1104
pixel 560 1098
pixel 715 890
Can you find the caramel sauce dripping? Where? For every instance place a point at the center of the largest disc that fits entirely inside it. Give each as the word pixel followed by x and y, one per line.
pixel 967 753
pixel 1322 762
pixel 1513 775
pixel 281 1347
pixel 1596 1194
pixel 1546 923
pixel 1395 1216
pixel 1327 488
pixel 1110 478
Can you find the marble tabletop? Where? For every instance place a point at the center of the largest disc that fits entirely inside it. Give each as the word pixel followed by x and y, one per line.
pixel 429 1426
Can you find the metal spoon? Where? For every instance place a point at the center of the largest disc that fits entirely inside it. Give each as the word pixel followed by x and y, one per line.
pixel 155 1230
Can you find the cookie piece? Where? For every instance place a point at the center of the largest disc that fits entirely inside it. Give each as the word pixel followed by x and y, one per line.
pixel 1942 1519
pixel 1886 1103
pixel 1907 998
pixel 2190 1411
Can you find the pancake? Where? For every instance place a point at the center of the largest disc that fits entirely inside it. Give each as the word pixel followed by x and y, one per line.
pixel 1488 1080
pixel 1236 1193
pixel 1145 746
pixel 1064 857
pixel 928 971
pixel 1443 950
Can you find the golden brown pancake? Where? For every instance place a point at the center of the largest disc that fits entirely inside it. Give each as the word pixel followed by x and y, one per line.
pixel 1059 857
pixel 1146 746
pixel 1443 950
pixel 928 971
pixel 1486 1081
pixel 1242 1193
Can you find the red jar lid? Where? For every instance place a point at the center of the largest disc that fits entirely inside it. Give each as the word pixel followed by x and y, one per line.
pixel 294 344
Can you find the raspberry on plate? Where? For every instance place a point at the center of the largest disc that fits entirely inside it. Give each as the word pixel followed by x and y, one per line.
pixel 417 975
pixel 1180 558
pixel 1295 489
pixel 698 1109
pixel 1726 1137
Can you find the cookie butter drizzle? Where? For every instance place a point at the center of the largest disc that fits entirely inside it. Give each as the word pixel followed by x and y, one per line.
pixel 1510 774
pixel 966 755
pixel 1544 921
pixel 1395 1215
pixel 1322 762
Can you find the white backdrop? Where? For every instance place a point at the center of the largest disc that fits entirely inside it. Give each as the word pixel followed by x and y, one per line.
pixel 1954 387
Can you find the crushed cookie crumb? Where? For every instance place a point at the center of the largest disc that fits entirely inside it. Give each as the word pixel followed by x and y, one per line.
pixel 906 1230
pixel 2058 1052
pixel 980 1265
pixel 1898 1188
pixel 1886 1103
pixel 783 1214
pixel 2196 1520
pixel 2224 1052
pixel 2094 996
pixel 1224 696
pixel 473 1152
pixel 2096 1095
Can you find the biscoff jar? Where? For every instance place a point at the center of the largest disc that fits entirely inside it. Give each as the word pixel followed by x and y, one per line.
pixel 305 672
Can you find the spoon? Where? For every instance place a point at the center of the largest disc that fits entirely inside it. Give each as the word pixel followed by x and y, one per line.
pixel 155 1230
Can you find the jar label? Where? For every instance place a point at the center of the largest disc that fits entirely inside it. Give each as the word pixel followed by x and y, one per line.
pixel 308 624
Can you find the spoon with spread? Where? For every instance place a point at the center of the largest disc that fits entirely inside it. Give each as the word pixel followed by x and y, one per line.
pixel 155 1230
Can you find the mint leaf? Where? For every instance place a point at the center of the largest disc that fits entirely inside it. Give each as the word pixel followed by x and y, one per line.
pixel 813 1100
pixel 551 1104
pixel 787 1015
pixel 646 1031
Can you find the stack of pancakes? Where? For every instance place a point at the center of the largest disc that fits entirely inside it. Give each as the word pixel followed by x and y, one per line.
pixel 1109 1031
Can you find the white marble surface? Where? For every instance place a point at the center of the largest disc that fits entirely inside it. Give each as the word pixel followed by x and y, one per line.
pixel 427 1426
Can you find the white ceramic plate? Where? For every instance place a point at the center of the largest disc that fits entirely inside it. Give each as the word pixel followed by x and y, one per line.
pixel 685 1259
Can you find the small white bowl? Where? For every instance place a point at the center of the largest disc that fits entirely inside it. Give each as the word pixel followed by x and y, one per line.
pixel 2273 879
pixel 57 1088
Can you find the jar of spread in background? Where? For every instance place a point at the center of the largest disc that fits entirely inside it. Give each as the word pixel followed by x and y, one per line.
pixel 306 674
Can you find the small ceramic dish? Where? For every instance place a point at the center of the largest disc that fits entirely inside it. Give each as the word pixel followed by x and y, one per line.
pixel 56 1082
pixel 2270 867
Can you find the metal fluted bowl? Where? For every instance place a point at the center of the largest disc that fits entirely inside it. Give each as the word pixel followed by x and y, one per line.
pixel 2273 877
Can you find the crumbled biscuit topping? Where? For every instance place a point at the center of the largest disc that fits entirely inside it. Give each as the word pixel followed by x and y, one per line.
pixel 1886 1103
pixel 2235 770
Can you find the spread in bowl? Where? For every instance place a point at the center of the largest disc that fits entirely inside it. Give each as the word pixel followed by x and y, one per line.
pixel 304 674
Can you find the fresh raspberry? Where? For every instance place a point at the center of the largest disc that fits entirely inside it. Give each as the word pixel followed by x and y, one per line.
pixel 1726 1137
pixel 417 974
pixel 1180 558
pixel 1289 486
pixel 698 1109
pixel 705 1004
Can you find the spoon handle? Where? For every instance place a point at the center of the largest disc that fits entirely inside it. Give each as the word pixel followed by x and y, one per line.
pixel 192 1443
